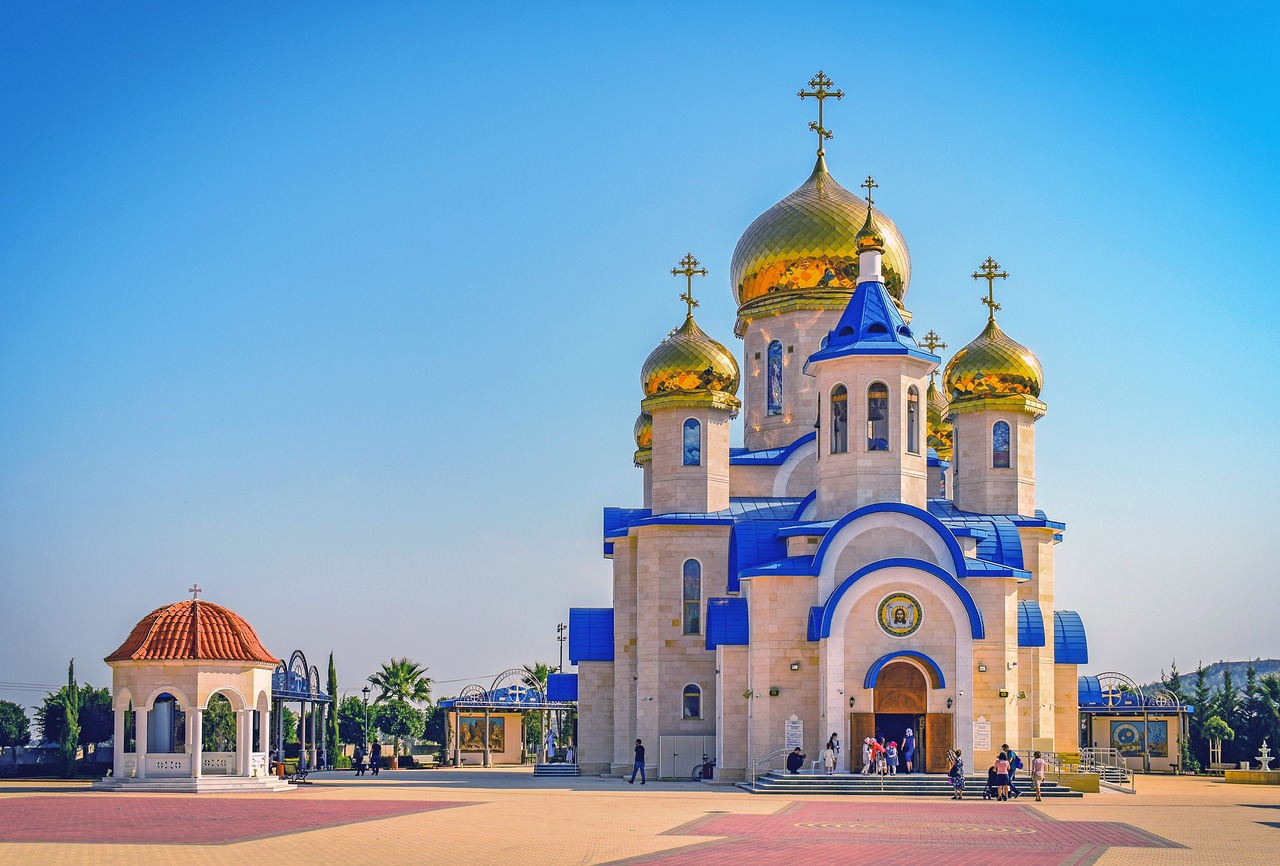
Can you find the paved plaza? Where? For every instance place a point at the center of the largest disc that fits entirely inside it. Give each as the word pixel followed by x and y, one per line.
pixel 504 816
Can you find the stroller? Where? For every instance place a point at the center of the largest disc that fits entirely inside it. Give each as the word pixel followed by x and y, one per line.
pixel 990 791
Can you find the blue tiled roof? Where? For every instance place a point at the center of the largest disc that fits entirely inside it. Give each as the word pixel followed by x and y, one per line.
pixel 1030 624
pixel 752 542
pixel 1070 647
pixel 870 325
pixel 984 568
pixel 1002 543
pixel 785 565
pixel 1089 691
pixel 767 456
pixel 727 622
pixel 562 687
pixel 590 634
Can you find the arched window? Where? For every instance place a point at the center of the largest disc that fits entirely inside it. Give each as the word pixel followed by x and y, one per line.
pixel 942 484
pixel 692 702
pixel 1000 445
pixel 692 597
pixel 775 378
pixel 839 420
pixel 913 420
pixel 692 443
pixel 878 417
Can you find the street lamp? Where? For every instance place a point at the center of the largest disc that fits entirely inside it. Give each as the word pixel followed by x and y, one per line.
pixel 365 690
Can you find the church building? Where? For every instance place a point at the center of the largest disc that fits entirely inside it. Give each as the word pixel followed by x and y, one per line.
pixel 871 560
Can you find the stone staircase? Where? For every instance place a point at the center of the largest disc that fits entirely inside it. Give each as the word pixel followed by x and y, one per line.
pixel 555 770
pixel 203 785
pixel 914 785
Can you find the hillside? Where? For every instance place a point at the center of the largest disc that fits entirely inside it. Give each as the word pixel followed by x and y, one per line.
pixel 1214 673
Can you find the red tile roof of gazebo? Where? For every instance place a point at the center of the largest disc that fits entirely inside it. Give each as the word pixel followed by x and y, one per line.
pixel 192 630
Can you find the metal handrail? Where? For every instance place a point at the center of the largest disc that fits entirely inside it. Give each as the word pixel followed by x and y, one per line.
pixel 756 762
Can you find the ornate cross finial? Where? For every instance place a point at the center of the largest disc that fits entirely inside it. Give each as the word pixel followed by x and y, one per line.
pixel 990 272
pixel 689 269
pixel 820 83
pixel 932 342
pixel 195 590
pixel 869 184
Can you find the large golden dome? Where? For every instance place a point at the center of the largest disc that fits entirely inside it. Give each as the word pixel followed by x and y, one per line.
pixel 939 430
pixel 809 241
pixel 993 365
pixel 689 360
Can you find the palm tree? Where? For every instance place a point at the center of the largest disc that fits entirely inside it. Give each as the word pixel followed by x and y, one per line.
pixel 404 680
pixel 537 672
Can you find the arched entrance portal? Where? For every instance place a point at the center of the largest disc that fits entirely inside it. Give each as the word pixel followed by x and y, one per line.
pixel 900 702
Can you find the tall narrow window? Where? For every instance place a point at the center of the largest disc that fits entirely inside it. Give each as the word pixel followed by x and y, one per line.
pixel 878 417
pixel 913 420
pixel 692 597
pixel 692 443
pixel 692 702
pixel 839 420
pixel 775 378
pixel 1000 445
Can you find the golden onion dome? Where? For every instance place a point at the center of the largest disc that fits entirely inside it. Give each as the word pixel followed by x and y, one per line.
pixel 689 360
pixel 644 431
pixel 809 241
pixel 869 238
pixel 938 428
pixel 993 365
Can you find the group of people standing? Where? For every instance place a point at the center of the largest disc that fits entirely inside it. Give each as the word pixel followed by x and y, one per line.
pixel 374 762
pixel 1000 775
pixel 884 760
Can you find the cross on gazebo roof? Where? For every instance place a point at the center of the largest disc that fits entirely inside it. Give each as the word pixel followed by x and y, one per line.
pixel 195 591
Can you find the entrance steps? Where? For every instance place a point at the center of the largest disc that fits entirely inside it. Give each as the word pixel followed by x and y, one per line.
pixel 203 785
pixel 555 770
pixel 913 785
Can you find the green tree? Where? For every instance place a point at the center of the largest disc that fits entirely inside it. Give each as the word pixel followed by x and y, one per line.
pixel 1268 708
pixel 289 723
pixel 402 680
pixel 1216 730
pixel 1173 682
pixel 15 727
pixel 331 714
pixel 1202 709
pixel 218 725
pixel 351 720
pixel 70 743
pixel 96 718
pixel 534 722
pixel 397 719
pixel 1227 706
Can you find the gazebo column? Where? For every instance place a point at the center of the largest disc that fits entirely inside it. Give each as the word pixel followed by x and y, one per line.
pixel 244 741
pixel 457 739
pixel 488 757
pixel 140 719
pixel 264 733
pixel 195 736
pixel 117 762
pixel 302 734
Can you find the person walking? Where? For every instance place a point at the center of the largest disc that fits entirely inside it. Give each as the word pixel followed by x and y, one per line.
pixel 1015 764
pixel 638 766
pixel 375 758
pixel 909 750
pixel 1002 776
pixel 829 759
pixel 1038 766
pixel 955 775
pixel 358 759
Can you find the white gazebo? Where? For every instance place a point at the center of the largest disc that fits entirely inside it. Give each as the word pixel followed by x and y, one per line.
pixel 176 659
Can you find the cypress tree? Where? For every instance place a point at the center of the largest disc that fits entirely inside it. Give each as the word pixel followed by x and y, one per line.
pixel 1201 699
pixel 70 744
pixel 331 716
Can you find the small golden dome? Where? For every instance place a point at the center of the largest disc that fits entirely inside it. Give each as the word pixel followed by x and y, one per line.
pixel 689 360
pixel 869 238
pixel 644 431
pixel 808 241
pixel 938 428
pixel 993 365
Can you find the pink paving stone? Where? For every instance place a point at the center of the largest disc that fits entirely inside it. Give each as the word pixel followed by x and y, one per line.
pixel 827 834
pixel 110 818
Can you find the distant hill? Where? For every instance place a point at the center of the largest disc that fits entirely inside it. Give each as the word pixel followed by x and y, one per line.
pixel 1214 673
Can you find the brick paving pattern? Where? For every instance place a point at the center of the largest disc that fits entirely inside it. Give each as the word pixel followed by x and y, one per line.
pixel 114 818
pixel 822 833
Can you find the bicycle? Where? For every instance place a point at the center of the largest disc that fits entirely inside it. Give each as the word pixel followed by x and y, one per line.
pixel 705 769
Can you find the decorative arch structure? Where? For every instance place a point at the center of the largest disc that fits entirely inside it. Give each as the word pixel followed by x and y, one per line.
pixel 299 683
pixel 513 690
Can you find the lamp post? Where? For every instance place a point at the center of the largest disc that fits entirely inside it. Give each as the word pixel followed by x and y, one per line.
pixel 560 636
pixel 365 690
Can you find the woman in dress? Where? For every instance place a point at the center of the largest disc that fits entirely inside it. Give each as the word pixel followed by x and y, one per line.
pixel 1002 776
pixel 909 749
pixel 1038 766
pixel 955 775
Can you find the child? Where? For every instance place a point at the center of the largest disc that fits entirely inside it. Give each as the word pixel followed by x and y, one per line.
pixel 891 756
pixel 866 757
pixel 829 759
pixel 1038 766
pixel 878 750
pixel 1002 775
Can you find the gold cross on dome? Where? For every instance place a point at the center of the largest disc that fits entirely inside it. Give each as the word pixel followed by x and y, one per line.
pixel 990 272
pixel 820 83
pixel 932 342
pixel 689 269
pixel 869 185
pixel 195 590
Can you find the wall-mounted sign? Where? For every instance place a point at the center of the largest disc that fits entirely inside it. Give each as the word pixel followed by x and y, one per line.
pixel 793 733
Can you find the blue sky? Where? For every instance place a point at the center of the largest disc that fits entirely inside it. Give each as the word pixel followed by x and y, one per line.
pixel 338 310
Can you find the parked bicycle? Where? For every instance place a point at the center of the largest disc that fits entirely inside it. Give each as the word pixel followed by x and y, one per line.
pixel 706 769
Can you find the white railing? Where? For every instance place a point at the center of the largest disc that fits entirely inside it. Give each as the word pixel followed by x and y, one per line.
pixel 218 763
pixel 1110 767
pixel 754 769
pixel 168 764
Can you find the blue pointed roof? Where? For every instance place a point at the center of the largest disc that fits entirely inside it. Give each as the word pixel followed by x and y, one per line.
pixel 871 325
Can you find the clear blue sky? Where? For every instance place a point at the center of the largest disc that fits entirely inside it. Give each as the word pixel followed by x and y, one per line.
pixel 338 309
